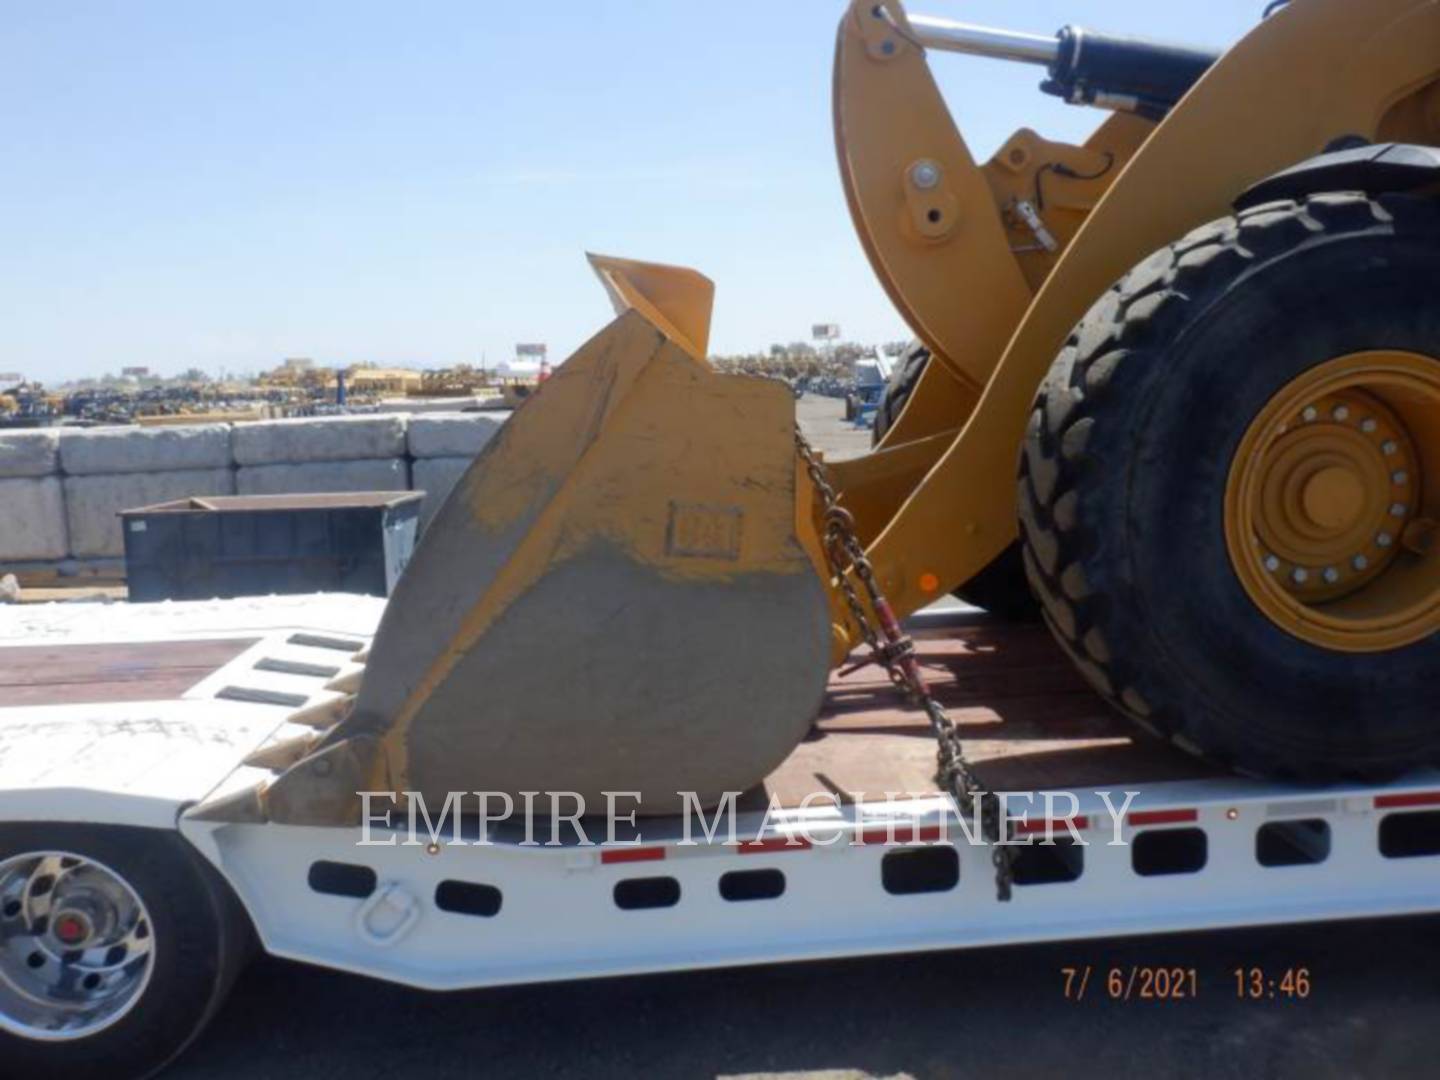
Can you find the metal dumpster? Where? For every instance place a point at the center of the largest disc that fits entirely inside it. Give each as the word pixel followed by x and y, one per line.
pixel 253 545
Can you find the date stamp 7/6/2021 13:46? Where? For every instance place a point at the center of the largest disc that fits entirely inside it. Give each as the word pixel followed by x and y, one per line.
pixel 1145 982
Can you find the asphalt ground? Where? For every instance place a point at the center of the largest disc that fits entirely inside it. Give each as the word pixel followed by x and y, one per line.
pixel 1374 990
pixel 1373 993
pixel 823 421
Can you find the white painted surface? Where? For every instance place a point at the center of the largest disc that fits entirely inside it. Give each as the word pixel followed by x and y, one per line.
pixel 335 613
pixel 141 763
pixel 558 917
pixel 134 763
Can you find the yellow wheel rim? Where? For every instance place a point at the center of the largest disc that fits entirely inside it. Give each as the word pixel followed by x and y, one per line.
pixel 1328 520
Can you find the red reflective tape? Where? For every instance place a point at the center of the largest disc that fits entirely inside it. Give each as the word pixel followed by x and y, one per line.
pixel 1023 828
pixel 1161 817
pixel 639 854
pixel 778 843
pixel 1417 798
pixel 902 834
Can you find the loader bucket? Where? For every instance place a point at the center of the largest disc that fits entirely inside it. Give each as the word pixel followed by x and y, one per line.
pixel 618 596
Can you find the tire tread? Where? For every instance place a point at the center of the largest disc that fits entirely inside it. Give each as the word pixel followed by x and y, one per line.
pixel 1092 372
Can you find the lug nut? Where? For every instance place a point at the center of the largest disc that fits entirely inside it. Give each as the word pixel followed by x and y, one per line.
pixel 1368 426
pixel 1389 447
pixel 1400 478
pixel 1398 510
pixel 1341 413
pixel 1272 563
pixel 1384 539
pixel 1331 575
pixel 1360 562
pixel 1300 576
pixel 1310 413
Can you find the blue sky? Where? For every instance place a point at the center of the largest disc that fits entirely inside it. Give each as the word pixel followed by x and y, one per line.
pixel 224 185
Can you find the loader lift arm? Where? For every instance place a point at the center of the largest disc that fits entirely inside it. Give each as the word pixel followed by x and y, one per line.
pixel 1366 70
pixel 939 227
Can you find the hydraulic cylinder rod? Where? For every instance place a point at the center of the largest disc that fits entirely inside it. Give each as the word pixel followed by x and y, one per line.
pixel 952 36
pixel 1085 68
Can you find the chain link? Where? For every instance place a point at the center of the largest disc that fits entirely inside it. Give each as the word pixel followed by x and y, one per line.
pixel 895 651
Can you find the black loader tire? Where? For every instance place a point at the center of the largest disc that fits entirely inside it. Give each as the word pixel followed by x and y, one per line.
pixel 898 388
pixel 202 940
pixel 1001 588
pixel 1124 467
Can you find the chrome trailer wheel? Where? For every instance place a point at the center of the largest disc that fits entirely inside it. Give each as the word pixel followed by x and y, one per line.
pixel 76 950
pixel 117 946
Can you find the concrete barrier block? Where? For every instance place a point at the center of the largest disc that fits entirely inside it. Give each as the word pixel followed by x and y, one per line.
pixel 315 476
pixel 92 503
pixel 32 519
pixel 337 438
pixel 29 453
pixel 104 451
pixel 436 477
pixel 451 434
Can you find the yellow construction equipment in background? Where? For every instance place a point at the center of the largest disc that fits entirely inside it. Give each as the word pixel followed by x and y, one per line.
pixel 1208 336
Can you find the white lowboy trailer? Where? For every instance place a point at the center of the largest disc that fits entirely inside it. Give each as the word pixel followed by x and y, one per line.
pixel 124 916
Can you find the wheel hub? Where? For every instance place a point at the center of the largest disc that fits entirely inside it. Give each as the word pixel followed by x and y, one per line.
pixel 1331 484
pixel 1325 503
pixel 1333 497
pixel 73 929
pixel 76 950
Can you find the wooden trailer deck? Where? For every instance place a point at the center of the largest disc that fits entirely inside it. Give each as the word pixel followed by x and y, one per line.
pixel 61 674
pixel 1028 721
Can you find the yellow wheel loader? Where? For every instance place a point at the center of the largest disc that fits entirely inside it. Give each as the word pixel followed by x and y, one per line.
pixel 1187 372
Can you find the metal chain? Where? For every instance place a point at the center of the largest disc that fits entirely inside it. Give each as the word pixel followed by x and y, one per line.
pixel 895 651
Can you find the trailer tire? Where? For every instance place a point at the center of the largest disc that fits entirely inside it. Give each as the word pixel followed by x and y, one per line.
pixel 1001 588
pixel 1125 485
pixel 199 940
